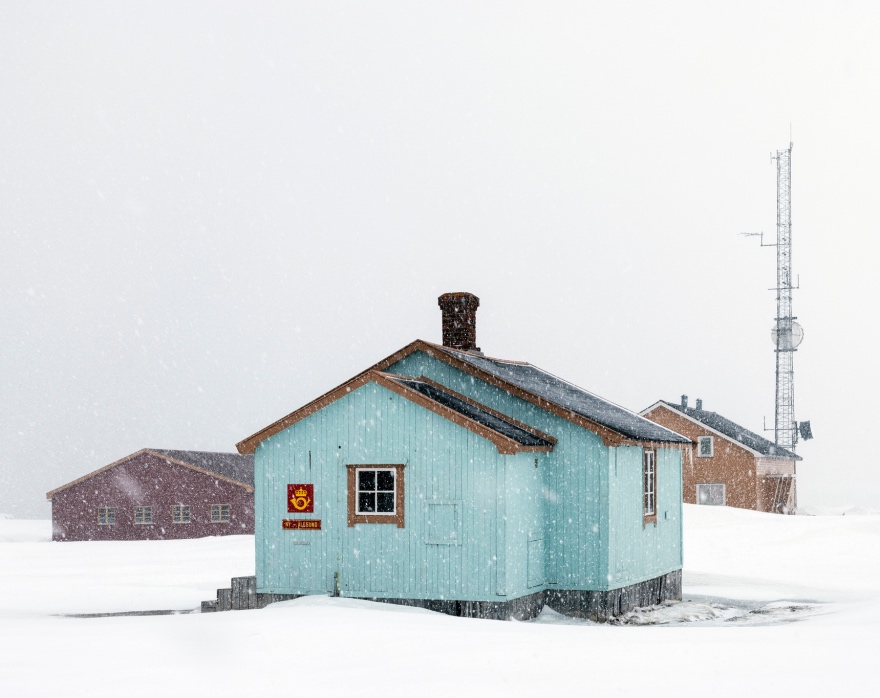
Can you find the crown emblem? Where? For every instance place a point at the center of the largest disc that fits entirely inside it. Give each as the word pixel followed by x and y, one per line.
pixel 299 498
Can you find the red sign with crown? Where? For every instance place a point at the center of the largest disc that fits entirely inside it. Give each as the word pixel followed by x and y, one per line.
pixel 301 499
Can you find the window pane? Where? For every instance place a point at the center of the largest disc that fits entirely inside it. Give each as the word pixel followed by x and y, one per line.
pixel 385 480
pixel 367 480
pixel 366 502
pixel 385 502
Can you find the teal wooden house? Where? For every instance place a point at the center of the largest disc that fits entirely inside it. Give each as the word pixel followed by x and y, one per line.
pixel 476 486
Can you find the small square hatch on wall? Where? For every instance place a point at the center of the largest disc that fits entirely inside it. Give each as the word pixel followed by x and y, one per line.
pixel 443 522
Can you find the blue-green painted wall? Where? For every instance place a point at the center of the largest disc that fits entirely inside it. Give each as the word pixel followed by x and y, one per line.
pixel 480 526
pixel 457 543
pixel 639 551
pixel 594 532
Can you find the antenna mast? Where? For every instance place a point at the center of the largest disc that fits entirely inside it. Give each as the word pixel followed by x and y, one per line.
pixel 787 334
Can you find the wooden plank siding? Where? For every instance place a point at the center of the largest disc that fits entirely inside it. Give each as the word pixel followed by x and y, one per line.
pixel 445 463
pixel 575 491
pixel 639 551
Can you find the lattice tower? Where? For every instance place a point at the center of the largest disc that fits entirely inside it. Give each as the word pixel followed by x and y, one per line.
pixel 786 344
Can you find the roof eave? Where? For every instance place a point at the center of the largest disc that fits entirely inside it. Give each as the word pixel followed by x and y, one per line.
pixel 89 476
pixel 758 454
pixel 609 435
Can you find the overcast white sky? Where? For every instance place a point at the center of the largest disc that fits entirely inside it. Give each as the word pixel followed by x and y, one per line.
pixel 211 213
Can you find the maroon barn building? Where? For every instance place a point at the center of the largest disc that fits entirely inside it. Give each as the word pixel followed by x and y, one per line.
pixel 157 494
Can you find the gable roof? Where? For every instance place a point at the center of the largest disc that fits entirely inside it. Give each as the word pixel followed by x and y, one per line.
pixel 475 411
pixel 568 396
pixel 615 425
pixel 234 468
pixel 508 435
pixel 733 431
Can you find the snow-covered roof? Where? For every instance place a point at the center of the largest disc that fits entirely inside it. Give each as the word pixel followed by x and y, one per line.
pixel 570 397
pixel 732 430
pixel 475 411
pixel 232 467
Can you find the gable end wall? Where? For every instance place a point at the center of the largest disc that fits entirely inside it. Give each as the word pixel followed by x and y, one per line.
pixel 732 464
pixel 147 480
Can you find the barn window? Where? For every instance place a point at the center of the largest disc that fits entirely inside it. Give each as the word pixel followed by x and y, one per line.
pixel 219 513
pixel 705 447
pixel 712 493
pixel 143 515
pixel 375 494
pixel 650 485
pixel 180 514
pixel 106 516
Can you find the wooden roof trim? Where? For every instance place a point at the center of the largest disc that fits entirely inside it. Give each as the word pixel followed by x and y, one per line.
pixel 464 398
pixel 218 476
pixel 250 444
pixel 132 456
pixel 609 436
pixel 504 444
pixel 92 474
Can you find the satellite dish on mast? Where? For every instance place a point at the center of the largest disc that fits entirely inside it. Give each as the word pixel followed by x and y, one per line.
pixel 787 341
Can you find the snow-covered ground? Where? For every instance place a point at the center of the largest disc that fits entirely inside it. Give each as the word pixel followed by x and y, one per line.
pixel 774 604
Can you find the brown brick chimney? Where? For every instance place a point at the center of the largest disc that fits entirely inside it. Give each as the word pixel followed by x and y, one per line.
pixel 459 320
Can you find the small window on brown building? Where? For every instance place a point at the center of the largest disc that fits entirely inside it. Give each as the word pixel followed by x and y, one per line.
pixel 106 516
pixel 650 485
pixel 219 513
pixel 705 447
pixel 180 514
pixel 143 515
pixel 375 494
pixel 712 493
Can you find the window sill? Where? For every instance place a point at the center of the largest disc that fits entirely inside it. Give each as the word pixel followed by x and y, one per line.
pixel 376 519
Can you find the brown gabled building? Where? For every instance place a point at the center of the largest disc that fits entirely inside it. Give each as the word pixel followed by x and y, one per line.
pixel 158 494
pixel 728 464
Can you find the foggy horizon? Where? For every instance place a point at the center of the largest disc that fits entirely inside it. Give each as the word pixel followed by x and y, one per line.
pixel 211 214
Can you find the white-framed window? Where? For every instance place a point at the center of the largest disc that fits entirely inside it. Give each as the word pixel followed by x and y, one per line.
pixel 711 493
pixel 219 513
pixel 106 516
pixel 705 446
pixel 143 515
pixel 650 484
pixel 376 494
pixel 376 491
pixel 180 514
